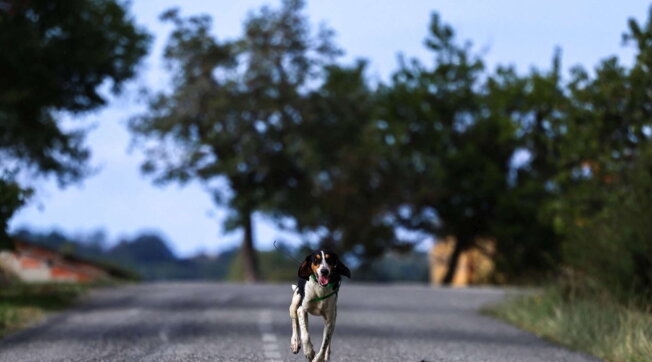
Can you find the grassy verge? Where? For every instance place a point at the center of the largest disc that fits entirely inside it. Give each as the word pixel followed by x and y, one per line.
pixel 24 304
pixel 591 323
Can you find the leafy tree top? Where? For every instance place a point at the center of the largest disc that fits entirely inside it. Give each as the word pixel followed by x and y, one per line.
pixel 58 55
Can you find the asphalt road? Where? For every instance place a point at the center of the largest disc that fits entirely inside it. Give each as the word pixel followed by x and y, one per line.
pixel 229 322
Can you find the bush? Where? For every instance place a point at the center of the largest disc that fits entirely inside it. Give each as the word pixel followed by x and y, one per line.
pixel 614 245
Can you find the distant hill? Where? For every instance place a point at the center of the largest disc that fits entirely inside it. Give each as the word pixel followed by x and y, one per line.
pixel 147 249
pixel 151 258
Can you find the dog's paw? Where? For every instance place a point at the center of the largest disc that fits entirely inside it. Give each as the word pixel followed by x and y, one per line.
pixel 318 358
pixel 309 353
pixel 295 346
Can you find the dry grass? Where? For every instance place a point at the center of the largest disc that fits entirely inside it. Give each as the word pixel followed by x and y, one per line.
pixel 22 305
pixel 13 318
pixel 590 323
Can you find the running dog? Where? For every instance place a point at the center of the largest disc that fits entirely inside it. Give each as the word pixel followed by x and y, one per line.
pixel 316 293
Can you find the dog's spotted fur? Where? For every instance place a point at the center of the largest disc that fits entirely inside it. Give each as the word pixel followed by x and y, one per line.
pixel 327 270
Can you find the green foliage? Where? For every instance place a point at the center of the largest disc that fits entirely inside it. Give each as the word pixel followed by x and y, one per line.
pixel 61 52
pixel 233 105
pixel 586 182
pixel 450 135
pixel 435 151
pixel 353 165
pixel 527 244
pixel 234 109
pixel 349 186
pixel 603 173
pixel 12 197
pixel 452 132
pixel 612 243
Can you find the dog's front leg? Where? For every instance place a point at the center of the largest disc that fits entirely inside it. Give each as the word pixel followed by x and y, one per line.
pixel 329 326
pixel 308 351
pixel 295 343
pixel 327 356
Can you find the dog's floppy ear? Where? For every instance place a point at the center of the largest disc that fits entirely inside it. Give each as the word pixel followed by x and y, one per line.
pixel 304 269
pixel 342 269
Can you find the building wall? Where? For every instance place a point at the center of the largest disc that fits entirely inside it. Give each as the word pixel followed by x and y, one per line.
pixel 27 269
pixel 33 263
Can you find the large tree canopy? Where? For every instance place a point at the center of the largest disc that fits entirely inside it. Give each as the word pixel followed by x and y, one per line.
pixel 352 186
pixel 56 55
pixel 451 142
pixel 233 110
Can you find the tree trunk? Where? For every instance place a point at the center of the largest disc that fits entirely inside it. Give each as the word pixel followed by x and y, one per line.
pixel 249 259
pixel 460 245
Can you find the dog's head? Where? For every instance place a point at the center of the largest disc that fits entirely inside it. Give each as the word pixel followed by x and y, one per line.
pixel 325 265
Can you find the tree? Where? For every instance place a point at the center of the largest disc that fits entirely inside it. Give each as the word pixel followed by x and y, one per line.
pixel 588 145
pixel 527 243
pixel 450 147
pixel 233 111
pixel 58 54
pixel 350 188
pixel 605 177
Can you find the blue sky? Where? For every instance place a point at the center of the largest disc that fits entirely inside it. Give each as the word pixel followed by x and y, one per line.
pixel 121 201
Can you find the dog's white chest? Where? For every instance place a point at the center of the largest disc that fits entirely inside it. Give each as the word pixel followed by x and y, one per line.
pixel 321 307
pixel 318 300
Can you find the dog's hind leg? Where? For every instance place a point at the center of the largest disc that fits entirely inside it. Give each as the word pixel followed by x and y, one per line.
pixel 295 340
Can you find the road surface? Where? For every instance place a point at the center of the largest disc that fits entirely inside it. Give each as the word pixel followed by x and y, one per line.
pixel 230 322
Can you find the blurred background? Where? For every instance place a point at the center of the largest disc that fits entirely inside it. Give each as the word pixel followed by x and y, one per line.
pixel 450 143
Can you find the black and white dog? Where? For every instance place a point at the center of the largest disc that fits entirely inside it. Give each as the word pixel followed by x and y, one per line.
pixel 316 293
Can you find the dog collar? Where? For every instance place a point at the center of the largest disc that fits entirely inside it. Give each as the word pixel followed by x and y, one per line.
pixel 335 290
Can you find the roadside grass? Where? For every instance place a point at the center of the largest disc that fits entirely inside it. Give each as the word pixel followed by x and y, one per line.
pixel 22 305
pixel 588 322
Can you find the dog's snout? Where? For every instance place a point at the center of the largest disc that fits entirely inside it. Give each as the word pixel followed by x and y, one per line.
pixel 324 272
